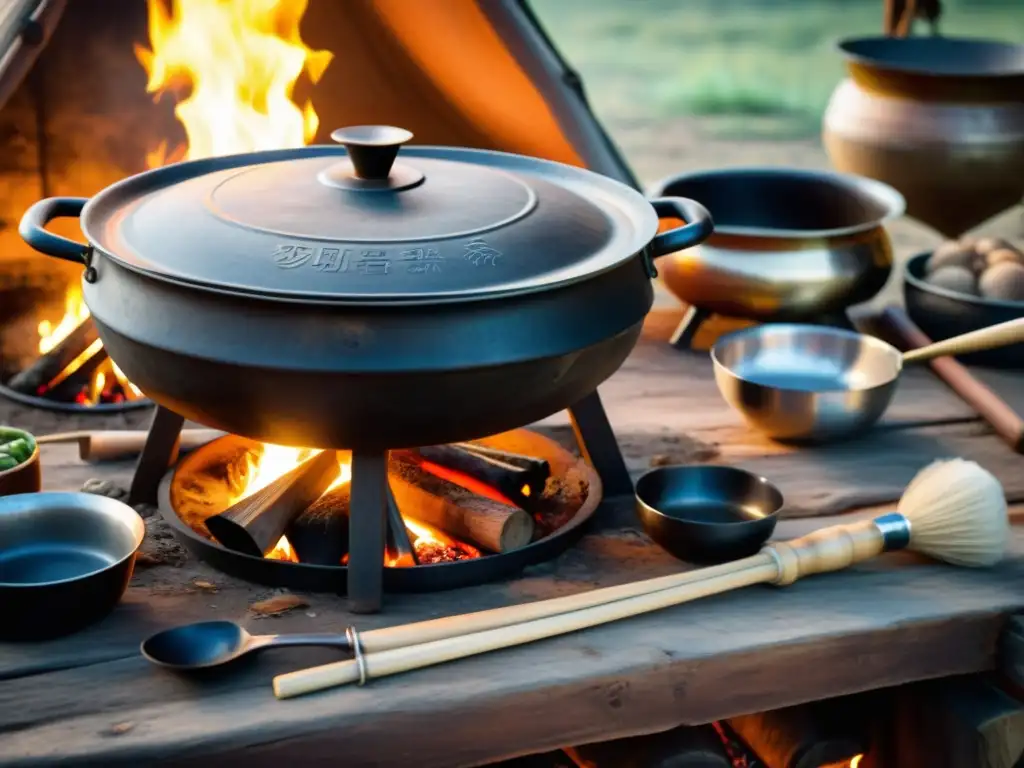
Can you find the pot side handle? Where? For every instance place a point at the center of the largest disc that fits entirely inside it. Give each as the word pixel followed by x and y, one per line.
pixel 698 228
pixel 33 228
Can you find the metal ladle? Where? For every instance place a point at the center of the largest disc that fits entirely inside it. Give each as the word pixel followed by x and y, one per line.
pixel 815 383
pixel 213 643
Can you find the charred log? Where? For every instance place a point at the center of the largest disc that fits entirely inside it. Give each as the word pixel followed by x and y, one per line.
pixel 74 382
pixel 319 535
pixel 46 368
pixel 804 736
pixel 540 466
pixel 518 483
pixel 456 510
pixel 679 748
pixel 255 524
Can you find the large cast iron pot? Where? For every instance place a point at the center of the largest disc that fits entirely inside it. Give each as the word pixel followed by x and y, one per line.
pixel 331 297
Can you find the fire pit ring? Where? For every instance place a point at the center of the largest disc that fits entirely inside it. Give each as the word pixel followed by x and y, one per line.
pixel 63 407
pixel 432 577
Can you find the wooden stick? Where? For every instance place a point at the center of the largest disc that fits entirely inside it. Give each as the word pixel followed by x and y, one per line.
pixel 780 563
pixel 49 365
pixel 1004 420
pixel 456 510
pixel 414 633
pixel 114 445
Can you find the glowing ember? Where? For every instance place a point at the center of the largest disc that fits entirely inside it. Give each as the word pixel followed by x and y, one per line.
pixel 283 551
pixel 240 60
pixel 856 761
pixel 433 546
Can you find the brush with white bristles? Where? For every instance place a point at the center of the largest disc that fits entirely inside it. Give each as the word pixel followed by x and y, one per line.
pixel 953 511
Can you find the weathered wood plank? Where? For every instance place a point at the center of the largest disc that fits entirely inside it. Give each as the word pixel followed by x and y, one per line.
pixel 745 652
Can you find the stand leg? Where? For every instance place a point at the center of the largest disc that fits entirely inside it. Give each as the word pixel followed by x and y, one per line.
pixel 682 337
pixel 598 445
pixel 367 526
pixel 159 453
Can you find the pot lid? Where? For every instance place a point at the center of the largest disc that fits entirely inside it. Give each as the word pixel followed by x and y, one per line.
pixel 363 224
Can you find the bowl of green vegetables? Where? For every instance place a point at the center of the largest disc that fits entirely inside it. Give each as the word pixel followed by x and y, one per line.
pixel 19 462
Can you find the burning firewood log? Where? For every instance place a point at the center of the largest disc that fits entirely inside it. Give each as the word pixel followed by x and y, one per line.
pixel 255 524
pixel 804 736
pixel 49 365
pixel 697 747
pixel 457 511
pixel 319 535
pixel 540 466
pixel 519 479
pixel 76 382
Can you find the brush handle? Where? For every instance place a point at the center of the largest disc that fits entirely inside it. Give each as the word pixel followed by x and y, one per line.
pixel 434 642
pixel 759 569
pixel 825 550
pixel 1007 423
pixel 999 335
pixel 387 638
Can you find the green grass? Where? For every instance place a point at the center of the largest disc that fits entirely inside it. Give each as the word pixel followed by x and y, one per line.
pixel 753 68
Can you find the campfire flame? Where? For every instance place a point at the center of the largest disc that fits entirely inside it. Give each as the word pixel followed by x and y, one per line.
pixel 50 335
pixel 240 61
pixel 75 313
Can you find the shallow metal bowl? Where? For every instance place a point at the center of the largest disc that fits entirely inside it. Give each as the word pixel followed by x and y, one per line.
pixel 706 513
pixel 65 561
pixel 806 383
pixel 788 245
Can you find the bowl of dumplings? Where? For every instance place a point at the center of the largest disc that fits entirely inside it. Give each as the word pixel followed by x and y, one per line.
pixel 964 285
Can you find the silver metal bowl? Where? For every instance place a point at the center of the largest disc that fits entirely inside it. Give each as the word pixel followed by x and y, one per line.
pixel 806 383
pixel 65 561
pixel 789 245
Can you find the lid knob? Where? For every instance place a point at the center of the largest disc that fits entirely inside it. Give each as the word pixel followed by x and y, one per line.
pixel 370 166
pixel 372 148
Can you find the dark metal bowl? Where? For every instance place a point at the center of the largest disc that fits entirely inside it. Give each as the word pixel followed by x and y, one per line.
pixel 65 561
pixel 942 313
pixel 707 513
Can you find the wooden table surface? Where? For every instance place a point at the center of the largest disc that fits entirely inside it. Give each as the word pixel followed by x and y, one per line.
pixel 91 699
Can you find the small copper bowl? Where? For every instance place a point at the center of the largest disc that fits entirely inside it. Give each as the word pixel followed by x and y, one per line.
pixel 24 478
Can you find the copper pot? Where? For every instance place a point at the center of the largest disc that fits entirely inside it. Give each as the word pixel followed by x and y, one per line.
pixel 789 245
pixel 940 119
